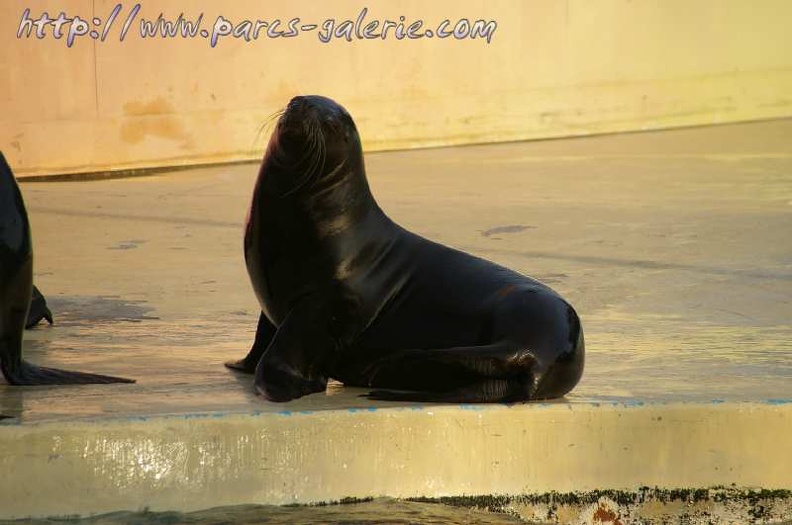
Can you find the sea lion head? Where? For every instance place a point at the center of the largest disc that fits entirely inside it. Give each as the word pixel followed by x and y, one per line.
pixel 315 143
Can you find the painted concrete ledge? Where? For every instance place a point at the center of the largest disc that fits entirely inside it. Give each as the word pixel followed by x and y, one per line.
pixel 199 461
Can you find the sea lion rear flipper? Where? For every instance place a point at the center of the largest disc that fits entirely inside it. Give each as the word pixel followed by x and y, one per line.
pixel 38 310
pixel 489 391
pixel 31 375
pixel 264 334
pixel 19 372
pixel 497 372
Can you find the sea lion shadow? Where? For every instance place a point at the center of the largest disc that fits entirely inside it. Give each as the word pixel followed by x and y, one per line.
pixel 81 309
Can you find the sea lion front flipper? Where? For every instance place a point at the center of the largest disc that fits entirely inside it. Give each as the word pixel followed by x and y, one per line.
pixel 265 331
pixel 31 375
pixel 38 309
pixel 294 363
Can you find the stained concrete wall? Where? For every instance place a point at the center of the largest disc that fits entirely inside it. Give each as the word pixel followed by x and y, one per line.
pixel 281 457
pixel 551 68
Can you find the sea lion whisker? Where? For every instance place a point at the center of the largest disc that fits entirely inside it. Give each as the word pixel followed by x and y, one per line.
pixel 306 163
pixel 320 153
pixel 267 124
pixel 315 155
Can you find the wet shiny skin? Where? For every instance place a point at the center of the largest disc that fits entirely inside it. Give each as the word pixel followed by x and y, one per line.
pixel 355 297
pixel 16 271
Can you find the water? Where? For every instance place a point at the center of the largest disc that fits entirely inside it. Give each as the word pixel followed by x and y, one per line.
pixel 714 506
pixel 378 511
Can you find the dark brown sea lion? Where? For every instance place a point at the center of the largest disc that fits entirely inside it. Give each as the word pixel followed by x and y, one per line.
pixel 16 288
pixel 348 294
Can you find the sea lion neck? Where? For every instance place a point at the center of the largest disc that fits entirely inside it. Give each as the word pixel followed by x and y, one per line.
pixel 339 200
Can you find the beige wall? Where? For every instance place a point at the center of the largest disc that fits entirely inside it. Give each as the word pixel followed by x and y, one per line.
pixel 553 68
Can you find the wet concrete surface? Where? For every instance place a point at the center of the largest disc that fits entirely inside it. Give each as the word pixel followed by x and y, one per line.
pixel 673 246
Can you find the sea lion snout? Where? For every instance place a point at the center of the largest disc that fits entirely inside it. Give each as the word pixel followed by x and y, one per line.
pixel 316 109
pixel 314 138
pixel 315 101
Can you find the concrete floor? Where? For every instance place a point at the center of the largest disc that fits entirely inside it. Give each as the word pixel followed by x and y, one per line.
pixel 675 248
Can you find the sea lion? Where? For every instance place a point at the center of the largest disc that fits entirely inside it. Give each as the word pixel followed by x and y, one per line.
pixel 16 288
pixel 38 309
pixel 347 294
